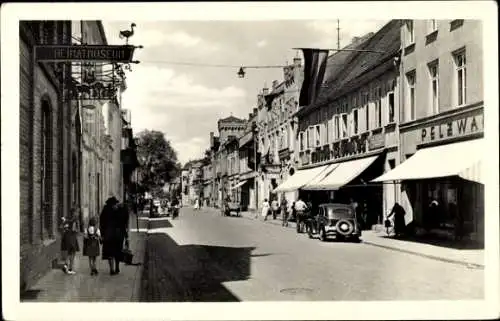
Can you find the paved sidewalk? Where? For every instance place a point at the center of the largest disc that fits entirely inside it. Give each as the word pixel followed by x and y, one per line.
pixel 57 286
pixel 468 257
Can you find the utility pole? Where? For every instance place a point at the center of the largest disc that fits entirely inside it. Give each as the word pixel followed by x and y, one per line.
pixel 338 34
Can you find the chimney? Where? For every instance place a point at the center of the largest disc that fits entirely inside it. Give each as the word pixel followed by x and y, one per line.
pixel 255 111
pixel 250 116
pixel 265 91
pixel 296 61
pixel 211 139
pixel 275 84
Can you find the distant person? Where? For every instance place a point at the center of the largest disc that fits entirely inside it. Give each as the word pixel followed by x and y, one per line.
pixel 275 208
pixel 175 207
pixel 284 211
pixel 399 219
pixel 265 209
pixel 300 208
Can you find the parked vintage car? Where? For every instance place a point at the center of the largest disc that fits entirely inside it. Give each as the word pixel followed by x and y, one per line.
pixel 335 220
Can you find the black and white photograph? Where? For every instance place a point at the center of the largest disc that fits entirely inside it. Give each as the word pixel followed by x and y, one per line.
pixel 271 160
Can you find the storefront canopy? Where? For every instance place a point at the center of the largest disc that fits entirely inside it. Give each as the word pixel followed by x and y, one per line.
pixel 239 184
pixel 461 159
pixel 300 178
pixel 314 182
pixel 342 174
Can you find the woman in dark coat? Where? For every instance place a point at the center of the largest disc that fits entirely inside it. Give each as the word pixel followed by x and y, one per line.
pixel 399 219
pixel 114 227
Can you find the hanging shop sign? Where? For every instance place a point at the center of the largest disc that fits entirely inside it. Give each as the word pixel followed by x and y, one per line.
pixel 65 53
pixel 453 128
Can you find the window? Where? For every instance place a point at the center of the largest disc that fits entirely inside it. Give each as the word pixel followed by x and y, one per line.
pixel 410 33
pixel 364 101
pixel 344 126
pixel 378 108
pixel 461 84
pixel 410 81
pixel 433 25
pixel 337 127
pixel 317 136
pixel 46 172
pixel 390 98
pixel 434 86
pixel 301 141
pixel 355 121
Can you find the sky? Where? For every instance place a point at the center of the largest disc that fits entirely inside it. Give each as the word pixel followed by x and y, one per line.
pixel 185 102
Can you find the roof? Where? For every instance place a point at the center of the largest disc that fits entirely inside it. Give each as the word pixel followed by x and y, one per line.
pixel 231 119
pixel 361 67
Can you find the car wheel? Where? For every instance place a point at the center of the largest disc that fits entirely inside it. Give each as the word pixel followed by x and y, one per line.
pixel 322 234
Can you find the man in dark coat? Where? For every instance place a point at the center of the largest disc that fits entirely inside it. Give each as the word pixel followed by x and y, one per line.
pixel 114 228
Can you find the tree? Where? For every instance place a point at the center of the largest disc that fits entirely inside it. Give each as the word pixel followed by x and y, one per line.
pixel 158 161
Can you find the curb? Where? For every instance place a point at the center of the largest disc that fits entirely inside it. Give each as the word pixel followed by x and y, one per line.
pixel 433 257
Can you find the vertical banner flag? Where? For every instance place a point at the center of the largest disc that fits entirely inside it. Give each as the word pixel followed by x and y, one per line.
pixel 314 71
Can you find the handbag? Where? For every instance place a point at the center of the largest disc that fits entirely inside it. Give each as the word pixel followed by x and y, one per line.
pixel 127 255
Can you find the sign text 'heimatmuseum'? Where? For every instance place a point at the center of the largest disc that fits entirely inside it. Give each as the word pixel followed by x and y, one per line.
pixel 84 53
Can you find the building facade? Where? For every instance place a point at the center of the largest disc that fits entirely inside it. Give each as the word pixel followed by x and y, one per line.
pixel 98 144
pixel 48 126
pixel 442 126
pixel 349 136
pixel 249 163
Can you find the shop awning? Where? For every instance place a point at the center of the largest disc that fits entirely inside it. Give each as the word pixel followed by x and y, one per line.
pixel 299 179
pixel 440 161
pixel 239 184
pixel 344 173
pixel 473 173
pixel 314 182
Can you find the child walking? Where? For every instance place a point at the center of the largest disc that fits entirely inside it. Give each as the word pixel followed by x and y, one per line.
pixel 69 242
pixel 91 246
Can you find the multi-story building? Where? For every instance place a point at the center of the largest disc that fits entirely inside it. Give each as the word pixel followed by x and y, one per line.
pixel 48 163
pixel 207 171
pixel 249 162
pixel 128 161
pixel 442 126
pixel 348 136
pixel 101 144
pixel 275 130
pixel 225 157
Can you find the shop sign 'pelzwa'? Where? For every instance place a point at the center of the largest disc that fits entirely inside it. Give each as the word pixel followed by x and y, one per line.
pixel 60 53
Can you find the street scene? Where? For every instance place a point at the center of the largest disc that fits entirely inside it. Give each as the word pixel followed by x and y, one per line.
pixel 242 161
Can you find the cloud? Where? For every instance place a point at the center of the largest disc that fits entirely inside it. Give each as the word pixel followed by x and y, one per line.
pixel 191 148
pixel 262 43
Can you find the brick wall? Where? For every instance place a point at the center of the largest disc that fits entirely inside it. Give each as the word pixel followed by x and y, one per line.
pixel 39 236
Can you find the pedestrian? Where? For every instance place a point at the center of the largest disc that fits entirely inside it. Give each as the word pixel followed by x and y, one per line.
pixel 91 244
pixel 196 204
pixel 175 207
pixel 293 212
pixel 300 208
pixel 69 242
pixel 114 227
pixel 275 207
pixel 284 211
pixel 265 209
pixel 399 219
